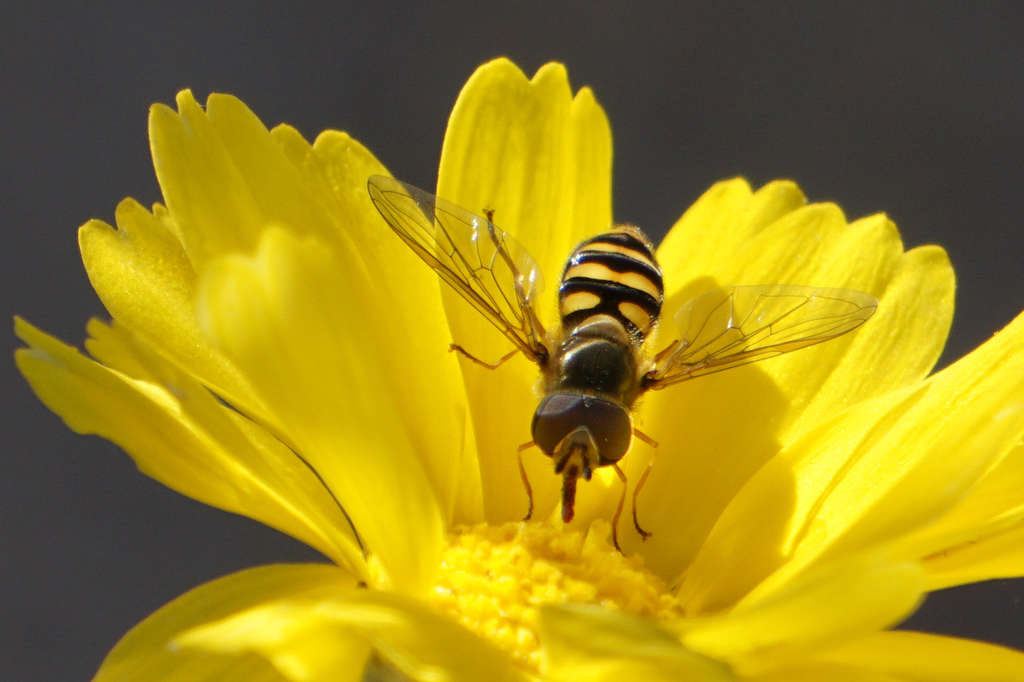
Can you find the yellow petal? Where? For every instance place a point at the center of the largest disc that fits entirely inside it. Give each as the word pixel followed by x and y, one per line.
pixel 790 250
pixel 403 312
pixel 279 178
pixel 897 347
pixel 180 435
pixel 704 242
pixel 278 188
pixel 976 540
pixel 968 418
pixel 536 155
pixel 469 501
pixel 739 553
pixel 822 243
pixel 832 375
pixel 292 321
pixel 844 599
pixel 716 432
pixel 814 246
pixel 420 643
pixel 401 304
pixel 917 656
pixel 224 178
pixel 945 473
pixel 879 470
pixel 713 433
pixel 994 504
pixel 818 671
pixel 146 281
pixel 300 644
pixel 592 644
pixel 149 652
pixel 205 192
pixel 541 159
pixel 999 555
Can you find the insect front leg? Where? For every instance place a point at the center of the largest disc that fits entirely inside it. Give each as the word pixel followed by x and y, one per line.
pixel 643 479
pixel 455 348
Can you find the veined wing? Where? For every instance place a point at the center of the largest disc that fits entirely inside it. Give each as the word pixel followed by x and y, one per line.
pixel 734 326
pixel 480 261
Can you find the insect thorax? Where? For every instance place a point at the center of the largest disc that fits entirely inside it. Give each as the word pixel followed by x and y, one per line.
pixel 613 274
pixel 597 358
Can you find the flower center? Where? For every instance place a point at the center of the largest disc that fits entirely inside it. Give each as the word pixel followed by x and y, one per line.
pixel 493 579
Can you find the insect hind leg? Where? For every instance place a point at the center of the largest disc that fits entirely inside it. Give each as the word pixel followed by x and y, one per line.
pixel 643 479
pixel 618 510
pixel 526 481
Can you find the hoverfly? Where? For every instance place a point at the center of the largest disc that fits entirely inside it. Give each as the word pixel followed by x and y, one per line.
pixel 594 366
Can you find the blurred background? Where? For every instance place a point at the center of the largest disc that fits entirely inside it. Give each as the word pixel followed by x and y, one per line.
pixel 916 110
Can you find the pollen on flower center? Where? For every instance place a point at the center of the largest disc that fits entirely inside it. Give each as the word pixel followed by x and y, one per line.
pixel 493 579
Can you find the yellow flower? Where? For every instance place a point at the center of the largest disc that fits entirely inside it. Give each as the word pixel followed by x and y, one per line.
pixel 277 352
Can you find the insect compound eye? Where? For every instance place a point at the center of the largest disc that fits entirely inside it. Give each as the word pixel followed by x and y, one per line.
pixel 560 414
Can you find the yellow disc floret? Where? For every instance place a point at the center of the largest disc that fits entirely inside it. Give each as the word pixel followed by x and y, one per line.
pixel 493 580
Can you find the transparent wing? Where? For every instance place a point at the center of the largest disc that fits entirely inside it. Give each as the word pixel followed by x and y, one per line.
pixel 735 326
pixel 484 264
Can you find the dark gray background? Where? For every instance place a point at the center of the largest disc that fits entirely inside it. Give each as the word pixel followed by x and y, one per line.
pixel 914 110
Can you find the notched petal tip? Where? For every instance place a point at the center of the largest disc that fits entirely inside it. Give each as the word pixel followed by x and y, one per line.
pixel 186 101
pixel 39 340
pixel 160 114
pixel 502 72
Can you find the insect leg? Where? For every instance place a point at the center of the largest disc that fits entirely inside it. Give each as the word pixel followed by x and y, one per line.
pixel 522 474
pixel 645 438
pixel 462 351
pixel 618 510
pixel 643 479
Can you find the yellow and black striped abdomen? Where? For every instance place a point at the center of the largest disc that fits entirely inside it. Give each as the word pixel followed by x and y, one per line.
pixel 614 274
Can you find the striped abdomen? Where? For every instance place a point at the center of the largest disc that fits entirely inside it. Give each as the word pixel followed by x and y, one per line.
pixel 614 274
